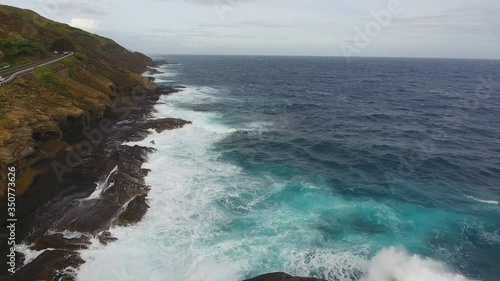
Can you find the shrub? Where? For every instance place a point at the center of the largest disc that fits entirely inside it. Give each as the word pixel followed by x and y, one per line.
pixel 13 47
pixel 80 56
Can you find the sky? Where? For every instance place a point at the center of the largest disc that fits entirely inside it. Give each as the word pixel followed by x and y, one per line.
pixel 381 28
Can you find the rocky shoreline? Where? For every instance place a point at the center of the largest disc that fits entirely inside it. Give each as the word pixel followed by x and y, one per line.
pixel 280 276
pixel 64 210
pixel 71 210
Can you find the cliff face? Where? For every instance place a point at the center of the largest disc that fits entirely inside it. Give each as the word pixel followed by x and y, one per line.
pixel 42 112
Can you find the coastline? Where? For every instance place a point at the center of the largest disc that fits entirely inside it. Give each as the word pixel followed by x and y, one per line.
pixel 114 165
pixel 106 188
pixel 64 209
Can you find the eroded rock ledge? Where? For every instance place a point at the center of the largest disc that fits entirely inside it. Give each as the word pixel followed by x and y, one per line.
pixel 280 276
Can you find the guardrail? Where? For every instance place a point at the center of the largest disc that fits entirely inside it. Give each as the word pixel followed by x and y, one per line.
pixel 21 72
pixel 13 76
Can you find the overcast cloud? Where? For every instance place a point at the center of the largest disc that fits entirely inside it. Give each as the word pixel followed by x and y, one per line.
pixel 425 28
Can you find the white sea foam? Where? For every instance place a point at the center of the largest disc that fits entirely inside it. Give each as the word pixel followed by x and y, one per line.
pixel 210 221
pixel 398 265
pixel 164 244
pixel 102 185
pixel 29 255
pixel 191 95
pixel 389 264
pixel 341 266
pixel 160 80
pixel 392 263
pixel 165 72
pixel 68 234
pixel 493 202
pixel 257 128
pixel 69 271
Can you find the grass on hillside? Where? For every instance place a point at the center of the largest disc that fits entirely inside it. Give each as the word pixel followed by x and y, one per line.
pixel 79 56
pixel 45 77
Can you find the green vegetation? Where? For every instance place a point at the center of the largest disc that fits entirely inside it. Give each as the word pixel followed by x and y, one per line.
pixel 50 81
pixel 45 77
pixel 80 56
pixel 2 117
pixel 14 47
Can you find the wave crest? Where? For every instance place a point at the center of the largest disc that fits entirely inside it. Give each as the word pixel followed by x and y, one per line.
pixel 396 264
pixel 390 264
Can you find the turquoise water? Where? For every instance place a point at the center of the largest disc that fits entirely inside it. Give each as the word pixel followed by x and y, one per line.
pixel 381 169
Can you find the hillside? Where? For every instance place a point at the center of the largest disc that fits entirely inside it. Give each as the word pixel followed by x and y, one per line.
pixel 42 112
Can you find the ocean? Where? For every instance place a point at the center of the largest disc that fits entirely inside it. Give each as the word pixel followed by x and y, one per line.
pixel 372 169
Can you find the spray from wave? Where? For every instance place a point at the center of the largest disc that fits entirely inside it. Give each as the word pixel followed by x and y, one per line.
pixel 389 264
pixel 397 265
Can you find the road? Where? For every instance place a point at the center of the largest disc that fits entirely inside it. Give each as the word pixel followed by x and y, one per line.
pixel 9 71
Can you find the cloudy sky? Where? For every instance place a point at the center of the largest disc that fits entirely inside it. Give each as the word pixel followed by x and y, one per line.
pixel 389 28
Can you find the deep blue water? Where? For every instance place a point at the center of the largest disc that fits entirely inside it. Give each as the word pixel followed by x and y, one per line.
pixel 337 161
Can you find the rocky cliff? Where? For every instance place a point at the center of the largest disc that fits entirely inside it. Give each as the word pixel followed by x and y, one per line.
pixel 41 112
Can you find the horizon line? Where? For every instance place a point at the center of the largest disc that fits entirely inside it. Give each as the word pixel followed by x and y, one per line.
pixel 320 56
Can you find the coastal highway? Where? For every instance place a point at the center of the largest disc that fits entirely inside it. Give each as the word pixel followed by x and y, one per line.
pixel 10 71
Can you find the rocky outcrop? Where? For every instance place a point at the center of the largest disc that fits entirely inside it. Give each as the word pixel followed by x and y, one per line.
pixel 105 237
pixel 134 211
pixel 153 71
pixel 50 265
pixel 119 189
pixel 280 276
pixel 59 241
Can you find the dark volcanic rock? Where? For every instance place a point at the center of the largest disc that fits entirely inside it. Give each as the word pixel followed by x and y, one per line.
pixel 280 276
pixel 166 90
pixel 153 71
pixel 135 210
pixel 161 125
pixel 58 241
pixel 91 216
pixel 123 186
pixel 49 265
pixel 105 237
